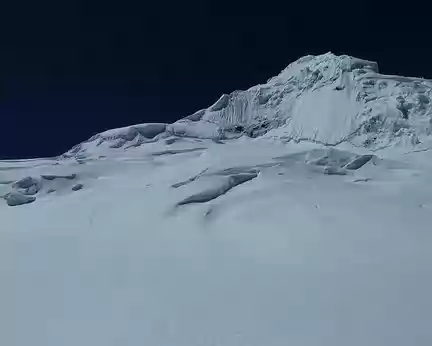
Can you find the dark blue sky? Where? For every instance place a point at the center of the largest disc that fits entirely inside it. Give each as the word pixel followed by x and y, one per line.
pixel 69 69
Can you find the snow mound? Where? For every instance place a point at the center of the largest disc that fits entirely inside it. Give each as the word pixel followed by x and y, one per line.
pixel 16 198
pixel 325 99
pixel 26 189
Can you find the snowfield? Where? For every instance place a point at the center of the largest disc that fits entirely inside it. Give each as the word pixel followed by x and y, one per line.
pixel 300 222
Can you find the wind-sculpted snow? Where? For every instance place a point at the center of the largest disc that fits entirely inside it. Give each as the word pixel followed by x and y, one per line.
pixel 178 151
pixel 325 99
pixel 220 189
pixel 29 188
pixel 126 137
pixel 332 159
pixel 359 162
pixel 16 198
pixel 53 176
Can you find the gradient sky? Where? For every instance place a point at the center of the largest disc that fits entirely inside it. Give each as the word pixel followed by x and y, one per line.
pixel 70 69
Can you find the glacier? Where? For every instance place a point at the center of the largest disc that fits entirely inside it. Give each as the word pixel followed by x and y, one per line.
pixel 293 213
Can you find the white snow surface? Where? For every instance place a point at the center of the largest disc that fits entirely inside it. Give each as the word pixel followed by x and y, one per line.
pixel 287 214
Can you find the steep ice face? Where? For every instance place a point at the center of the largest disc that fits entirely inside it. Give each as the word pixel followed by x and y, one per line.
pixel 395 110
pixel 312 98
pixel 326 99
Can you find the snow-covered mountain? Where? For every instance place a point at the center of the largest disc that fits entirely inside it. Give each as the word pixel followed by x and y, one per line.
pixel 293 213
pixel 325 99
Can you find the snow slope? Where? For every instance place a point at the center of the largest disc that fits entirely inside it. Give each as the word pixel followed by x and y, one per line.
pixel 241 225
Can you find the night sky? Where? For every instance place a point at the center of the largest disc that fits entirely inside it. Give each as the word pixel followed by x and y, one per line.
pixel 70 69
